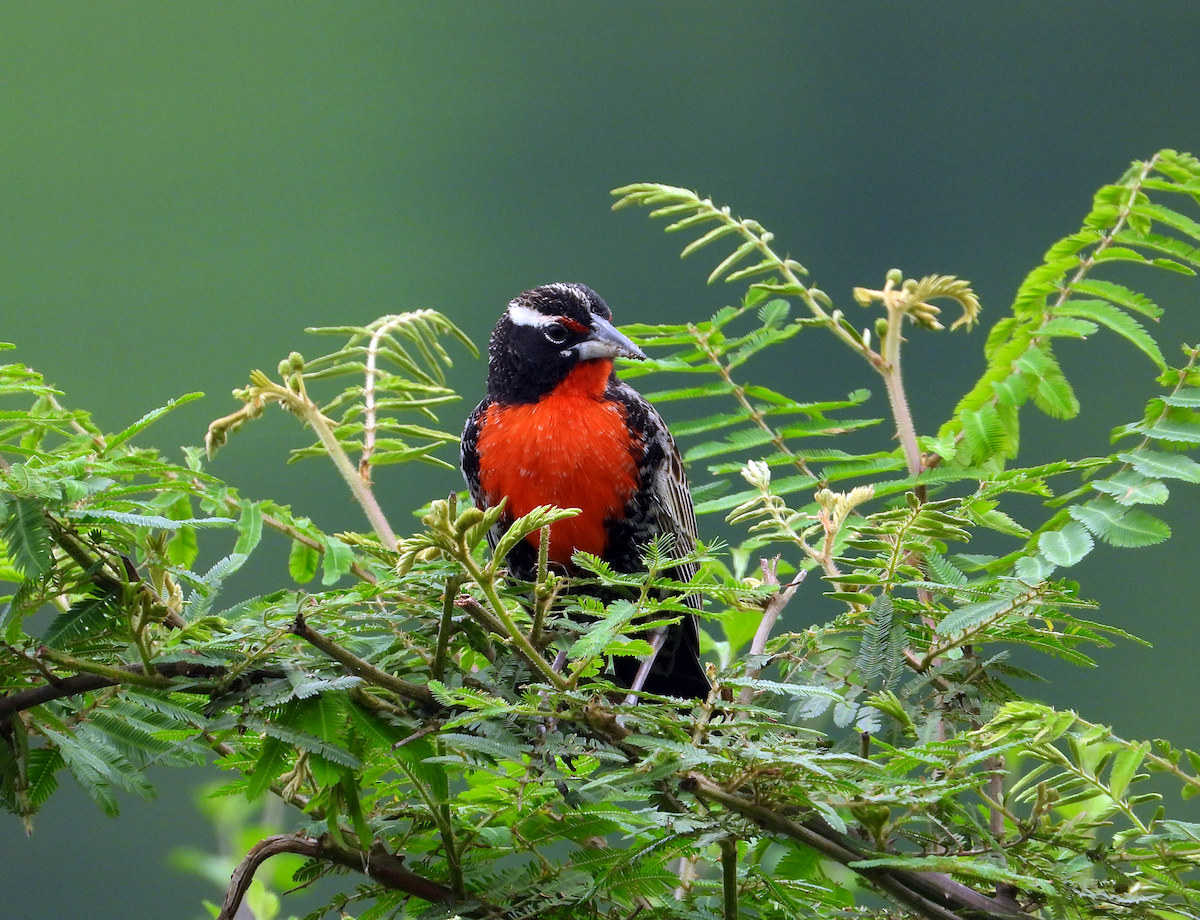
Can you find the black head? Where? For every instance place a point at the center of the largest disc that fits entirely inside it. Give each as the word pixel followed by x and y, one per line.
pixel 544 334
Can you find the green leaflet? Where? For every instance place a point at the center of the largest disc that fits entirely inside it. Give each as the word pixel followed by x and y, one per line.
pixel 249 527
pixel 1131 488
pixel 43 764
pixel 86 618
pixel 884 640
pixel 1180 430
pixel 970 616
pixel 319 715
pixel 26 537
pixel 1067 546
pixel 708 423
pixel 1118 525
pixel 1186 397
pixel 985 434
pixel 1118 294
pixel 1068 327
pixel 305 686
pixel 156 521
pixel 336 560
pixel 98 766
pixel 303 561
pixel 1053 394
pixel 113 441
pixel 1158 464
pixel 273 759
pixel 716 388
pixel 1119 322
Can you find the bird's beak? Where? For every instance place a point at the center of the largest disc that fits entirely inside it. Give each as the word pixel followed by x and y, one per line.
pixel 606 342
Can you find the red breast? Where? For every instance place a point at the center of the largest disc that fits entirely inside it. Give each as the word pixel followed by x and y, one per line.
pixel 571 449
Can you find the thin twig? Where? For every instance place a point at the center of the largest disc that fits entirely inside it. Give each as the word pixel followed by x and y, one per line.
pixel 508 627
pixel 729 876
pixel 438 669
pixel 360 488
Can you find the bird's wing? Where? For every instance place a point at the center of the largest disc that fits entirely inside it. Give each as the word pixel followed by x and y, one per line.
pixel 469 461
pixel 665 506
pixel 666 501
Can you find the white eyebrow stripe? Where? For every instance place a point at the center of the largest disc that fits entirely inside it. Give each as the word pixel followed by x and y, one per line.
pixel 524 316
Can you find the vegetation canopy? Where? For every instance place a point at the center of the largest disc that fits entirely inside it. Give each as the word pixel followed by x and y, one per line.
pixel 879 764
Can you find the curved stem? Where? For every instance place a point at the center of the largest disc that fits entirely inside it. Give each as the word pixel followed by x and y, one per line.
pixel 445 625
pixel 379 864
pixel 894 382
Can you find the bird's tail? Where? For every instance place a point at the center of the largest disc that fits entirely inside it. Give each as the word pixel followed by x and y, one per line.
pixel 677 669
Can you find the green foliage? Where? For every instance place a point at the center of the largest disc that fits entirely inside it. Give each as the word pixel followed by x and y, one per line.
pixel 395 365
pixel 407 704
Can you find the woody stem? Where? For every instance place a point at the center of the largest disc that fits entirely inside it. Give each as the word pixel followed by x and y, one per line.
pixel 889 369
pixel 358 486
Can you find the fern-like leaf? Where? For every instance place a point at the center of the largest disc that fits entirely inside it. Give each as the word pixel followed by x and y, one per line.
pixel 26 536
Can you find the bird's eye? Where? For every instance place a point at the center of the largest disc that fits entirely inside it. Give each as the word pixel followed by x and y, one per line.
pixel 556 333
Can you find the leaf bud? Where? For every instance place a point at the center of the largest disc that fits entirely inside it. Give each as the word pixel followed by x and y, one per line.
pixel 438 515
pixel 405 563
pixel 468 519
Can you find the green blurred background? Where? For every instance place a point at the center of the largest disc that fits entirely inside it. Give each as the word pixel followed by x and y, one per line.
pixel 185 186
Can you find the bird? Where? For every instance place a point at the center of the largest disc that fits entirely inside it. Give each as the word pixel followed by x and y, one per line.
pixel 558 427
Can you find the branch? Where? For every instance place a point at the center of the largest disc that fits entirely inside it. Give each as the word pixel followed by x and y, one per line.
pixel 933 895
pixel 363 669
pixel 87 682
pixel 774 607
pixel 379 864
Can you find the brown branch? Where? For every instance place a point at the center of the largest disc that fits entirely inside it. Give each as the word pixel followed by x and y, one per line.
pixel 379 864
pixel 363 669
pixel 212 675
pixel 85 683
pixel 931 894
